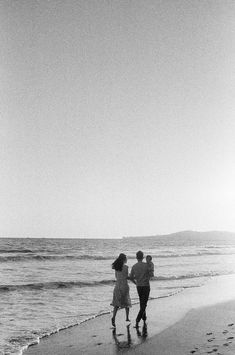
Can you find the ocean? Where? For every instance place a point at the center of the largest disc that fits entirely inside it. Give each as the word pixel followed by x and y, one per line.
pixel 51 284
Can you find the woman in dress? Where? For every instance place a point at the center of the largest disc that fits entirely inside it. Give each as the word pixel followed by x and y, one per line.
pixel 121 296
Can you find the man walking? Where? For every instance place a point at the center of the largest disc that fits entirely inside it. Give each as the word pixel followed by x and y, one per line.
pixel 140 275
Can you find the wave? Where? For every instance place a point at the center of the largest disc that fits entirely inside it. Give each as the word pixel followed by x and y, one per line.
pixel 187 276
pixel 200 253
pixel 28 255
pixel 37 257
pixel 54 285
pixel 71 284
pixel 3 251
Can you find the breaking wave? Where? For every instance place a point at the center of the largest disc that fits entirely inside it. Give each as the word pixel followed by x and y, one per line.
pixel 29 255
pixel 71 284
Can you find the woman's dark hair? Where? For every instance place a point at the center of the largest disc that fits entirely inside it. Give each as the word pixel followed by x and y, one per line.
pixel 119 262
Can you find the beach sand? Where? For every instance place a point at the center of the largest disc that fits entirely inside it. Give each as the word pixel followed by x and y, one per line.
pixel 197 321
pixel 208 330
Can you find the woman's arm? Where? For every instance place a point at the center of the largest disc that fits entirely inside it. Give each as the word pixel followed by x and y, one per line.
pixel 131 277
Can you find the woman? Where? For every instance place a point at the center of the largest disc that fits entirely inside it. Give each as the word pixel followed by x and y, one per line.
pixel 121 297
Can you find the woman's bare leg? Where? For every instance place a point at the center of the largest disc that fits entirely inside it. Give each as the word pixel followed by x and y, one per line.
pixel 127 314
pixel 115 309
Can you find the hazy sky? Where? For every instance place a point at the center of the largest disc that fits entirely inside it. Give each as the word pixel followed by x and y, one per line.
pixel 117 117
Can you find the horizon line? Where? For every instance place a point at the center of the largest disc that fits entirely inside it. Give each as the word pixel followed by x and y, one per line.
pixel 122 237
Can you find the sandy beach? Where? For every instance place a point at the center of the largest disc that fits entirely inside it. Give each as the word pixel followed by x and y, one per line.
pixel 208 330
pixel 195 321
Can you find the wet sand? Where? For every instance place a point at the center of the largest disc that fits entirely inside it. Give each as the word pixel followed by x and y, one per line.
pixel 196 321
pixel 208 330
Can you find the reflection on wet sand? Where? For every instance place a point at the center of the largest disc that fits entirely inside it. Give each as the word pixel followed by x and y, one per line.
pixel 120 344
pixel 142 334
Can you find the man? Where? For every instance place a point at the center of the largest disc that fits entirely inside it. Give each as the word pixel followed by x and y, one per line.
pixel 140 275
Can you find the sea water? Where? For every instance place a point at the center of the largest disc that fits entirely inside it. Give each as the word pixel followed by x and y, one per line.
pixel 50 284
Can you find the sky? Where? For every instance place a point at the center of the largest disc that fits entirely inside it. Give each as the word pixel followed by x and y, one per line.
pixel 117 118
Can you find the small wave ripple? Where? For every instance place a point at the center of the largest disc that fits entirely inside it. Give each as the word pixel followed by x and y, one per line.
pixel 71 284
pixel 28 255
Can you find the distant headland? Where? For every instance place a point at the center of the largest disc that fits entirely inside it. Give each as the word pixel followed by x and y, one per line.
pixel 189 234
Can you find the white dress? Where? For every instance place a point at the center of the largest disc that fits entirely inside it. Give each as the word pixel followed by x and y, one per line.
pixel 121 295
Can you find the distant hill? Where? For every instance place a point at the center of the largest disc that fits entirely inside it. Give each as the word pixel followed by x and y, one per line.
pixel 191 234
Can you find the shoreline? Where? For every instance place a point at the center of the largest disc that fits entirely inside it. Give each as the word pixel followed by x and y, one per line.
pixel 96 336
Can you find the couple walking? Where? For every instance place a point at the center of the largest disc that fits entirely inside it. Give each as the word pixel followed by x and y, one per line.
pixel 140 275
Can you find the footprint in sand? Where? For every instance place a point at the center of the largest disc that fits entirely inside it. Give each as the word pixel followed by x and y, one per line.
pixel 211 339
pixel 226 344
pixel 99 344
pixel 229 338
pixel 225 331
pixel 209 333
pixel 93 336
pixel 230 325
pixel 212 351
pixel 194 350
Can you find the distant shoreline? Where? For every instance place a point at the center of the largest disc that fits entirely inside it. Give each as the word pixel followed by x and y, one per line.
pixel 175 234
